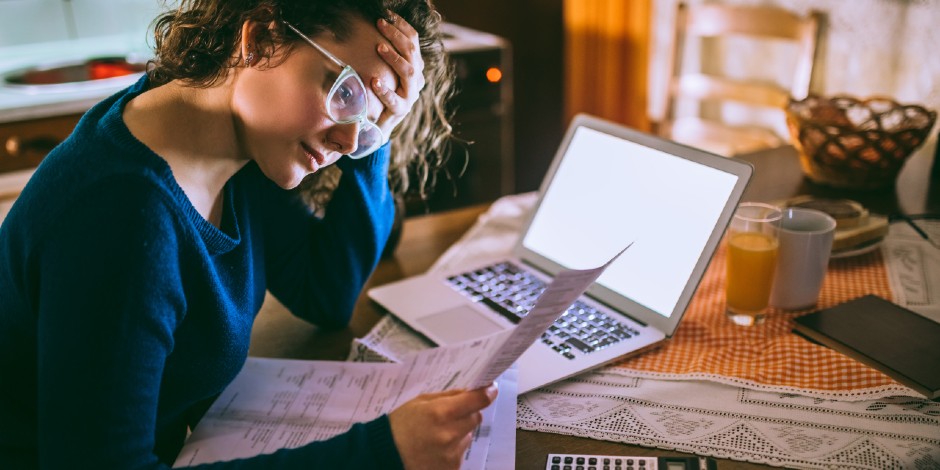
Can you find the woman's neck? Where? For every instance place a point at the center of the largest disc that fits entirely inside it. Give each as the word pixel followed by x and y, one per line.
pixel 193 130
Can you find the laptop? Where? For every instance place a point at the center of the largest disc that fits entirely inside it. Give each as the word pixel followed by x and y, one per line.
pixel 607 186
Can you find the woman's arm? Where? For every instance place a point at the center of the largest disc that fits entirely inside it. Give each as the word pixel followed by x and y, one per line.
pixel 317 267
pixel 108 299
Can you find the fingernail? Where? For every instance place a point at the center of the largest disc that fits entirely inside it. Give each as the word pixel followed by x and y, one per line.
pixel 492 390
pixel 383 48
pixel 378 83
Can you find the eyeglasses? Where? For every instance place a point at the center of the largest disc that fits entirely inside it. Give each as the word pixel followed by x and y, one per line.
pixel 347 102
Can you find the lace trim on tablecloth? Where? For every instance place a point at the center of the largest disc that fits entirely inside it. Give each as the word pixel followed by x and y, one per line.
pixel 780 429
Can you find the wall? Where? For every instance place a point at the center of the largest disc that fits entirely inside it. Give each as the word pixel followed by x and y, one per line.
pixel 60 20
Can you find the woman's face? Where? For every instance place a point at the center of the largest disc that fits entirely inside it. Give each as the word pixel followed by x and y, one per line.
pixel 280 112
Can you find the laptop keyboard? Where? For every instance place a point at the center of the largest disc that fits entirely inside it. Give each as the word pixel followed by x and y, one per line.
pixel 512 292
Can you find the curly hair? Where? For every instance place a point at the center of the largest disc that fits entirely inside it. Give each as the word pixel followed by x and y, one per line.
pixel 196 43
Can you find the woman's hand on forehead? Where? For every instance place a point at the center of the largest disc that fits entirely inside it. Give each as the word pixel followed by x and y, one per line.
pixel 405 59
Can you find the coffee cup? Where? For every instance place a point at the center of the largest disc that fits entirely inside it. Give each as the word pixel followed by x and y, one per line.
pixel 805 243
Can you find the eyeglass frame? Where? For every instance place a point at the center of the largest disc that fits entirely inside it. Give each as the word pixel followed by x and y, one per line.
pixel 347 71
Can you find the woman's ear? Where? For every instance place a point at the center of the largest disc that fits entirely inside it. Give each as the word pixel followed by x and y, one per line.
pixel 246 48
pixel 249 42
pixel 250 46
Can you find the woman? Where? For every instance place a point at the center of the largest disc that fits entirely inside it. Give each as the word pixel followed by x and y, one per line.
pixel 134 262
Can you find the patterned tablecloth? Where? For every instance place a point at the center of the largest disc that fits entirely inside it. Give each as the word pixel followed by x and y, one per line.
pixel 760 394
pixel 769 356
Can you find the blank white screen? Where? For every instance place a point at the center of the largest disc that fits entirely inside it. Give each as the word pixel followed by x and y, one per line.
pixel 608 192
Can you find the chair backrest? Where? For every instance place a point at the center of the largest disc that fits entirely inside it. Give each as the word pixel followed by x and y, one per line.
pixel 711 20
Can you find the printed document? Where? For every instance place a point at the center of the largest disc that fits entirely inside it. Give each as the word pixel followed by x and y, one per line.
pixel 285 403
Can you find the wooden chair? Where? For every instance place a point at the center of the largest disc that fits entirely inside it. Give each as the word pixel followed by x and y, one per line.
pixel 711 91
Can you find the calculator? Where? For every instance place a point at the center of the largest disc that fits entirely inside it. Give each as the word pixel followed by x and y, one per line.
pixel 621 462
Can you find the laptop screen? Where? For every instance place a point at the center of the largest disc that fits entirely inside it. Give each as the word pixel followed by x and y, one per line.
pixel 607 192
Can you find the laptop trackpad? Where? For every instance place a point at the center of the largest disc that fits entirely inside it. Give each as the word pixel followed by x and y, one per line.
pixel 458 324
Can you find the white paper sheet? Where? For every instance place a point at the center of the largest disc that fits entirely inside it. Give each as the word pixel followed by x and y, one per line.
pixel 283 403
pixel 914 267
pixel 564 289
pixel 502 445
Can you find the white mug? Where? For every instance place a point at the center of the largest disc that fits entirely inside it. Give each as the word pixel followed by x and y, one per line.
pixel 805 238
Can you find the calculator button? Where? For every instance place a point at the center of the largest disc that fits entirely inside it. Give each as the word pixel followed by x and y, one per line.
pixel 592 461
pixel 556 459
pixel 569 459
pixel 580 461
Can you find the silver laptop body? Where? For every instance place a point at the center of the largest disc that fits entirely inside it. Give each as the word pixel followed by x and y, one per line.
pixel 608 185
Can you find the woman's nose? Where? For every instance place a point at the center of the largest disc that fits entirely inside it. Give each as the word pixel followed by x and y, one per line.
pixel 345 137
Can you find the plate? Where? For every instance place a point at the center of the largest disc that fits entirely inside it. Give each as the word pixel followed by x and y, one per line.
pixel 857 250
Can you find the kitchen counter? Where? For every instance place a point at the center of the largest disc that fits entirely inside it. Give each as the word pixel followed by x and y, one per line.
pixel 17 104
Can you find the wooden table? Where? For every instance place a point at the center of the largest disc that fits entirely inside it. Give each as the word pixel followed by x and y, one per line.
pixel 424 238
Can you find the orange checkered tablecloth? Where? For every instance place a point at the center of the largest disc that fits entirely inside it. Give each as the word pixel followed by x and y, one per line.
pixel 707 343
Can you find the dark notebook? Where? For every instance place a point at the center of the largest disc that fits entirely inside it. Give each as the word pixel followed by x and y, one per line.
pixel 901 343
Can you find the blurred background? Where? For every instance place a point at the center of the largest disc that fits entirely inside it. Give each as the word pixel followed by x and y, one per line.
pixel 554 58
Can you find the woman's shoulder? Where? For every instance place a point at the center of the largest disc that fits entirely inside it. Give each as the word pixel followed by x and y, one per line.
pixel 120 197
pixel 99 160
pixel 67 196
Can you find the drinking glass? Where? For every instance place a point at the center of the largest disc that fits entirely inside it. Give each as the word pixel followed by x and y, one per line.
pixel 752 259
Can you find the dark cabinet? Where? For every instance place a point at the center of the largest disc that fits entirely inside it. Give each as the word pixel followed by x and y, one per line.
pixel 26 143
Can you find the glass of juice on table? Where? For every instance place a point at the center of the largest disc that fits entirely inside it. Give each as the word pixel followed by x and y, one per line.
pixel 752 259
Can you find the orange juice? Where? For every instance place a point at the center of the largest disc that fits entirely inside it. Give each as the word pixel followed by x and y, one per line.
pixel 752 258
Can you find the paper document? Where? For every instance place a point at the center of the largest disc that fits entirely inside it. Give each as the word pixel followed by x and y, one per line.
pixel 913 264
pixel 284 403
pixel 564 289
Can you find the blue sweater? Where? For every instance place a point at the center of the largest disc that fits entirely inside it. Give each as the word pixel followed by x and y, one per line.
pixel 124 313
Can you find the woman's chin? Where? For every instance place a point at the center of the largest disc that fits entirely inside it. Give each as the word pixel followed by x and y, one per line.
pixel 293 182
pixel 288 180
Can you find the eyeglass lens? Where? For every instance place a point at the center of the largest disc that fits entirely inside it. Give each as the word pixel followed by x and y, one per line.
pixel 348 103
pixel 348 100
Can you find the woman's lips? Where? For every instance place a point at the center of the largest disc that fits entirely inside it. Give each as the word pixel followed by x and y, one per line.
pixel 314 157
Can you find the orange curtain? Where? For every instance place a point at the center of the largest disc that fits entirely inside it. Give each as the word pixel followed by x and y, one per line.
pixel 607 46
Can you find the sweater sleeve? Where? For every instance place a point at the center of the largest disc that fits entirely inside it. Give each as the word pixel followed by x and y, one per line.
pixel 109 298
pixel 317 267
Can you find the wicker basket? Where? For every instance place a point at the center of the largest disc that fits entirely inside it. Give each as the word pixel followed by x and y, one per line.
pixel 859 144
